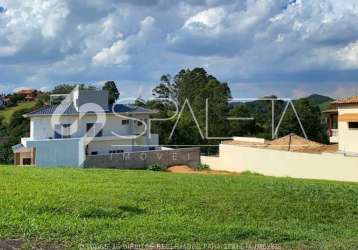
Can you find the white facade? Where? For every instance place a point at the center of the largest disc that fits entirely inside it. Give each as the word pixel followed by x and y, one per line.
pixel 347 137
pixel 65 140
pixel 42 128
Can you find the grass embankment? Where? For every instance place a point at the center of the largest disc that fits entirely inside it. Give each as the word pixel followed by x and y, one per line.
pixel 7 112
pixel 71 207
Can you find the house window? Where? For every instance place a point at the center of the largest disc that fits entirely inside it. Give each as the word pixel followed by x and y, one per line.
pixel 96 131
pixel 353 124
pixel 66 128
pixel 94 153
pixel 116 151
pixel 125 122
pixel 62 131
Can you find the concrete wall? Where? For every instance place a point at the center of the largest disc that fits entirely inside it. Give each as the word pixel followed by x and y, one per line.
pixel 283 163
pixel 141 160
pixel 249 139
pixel 347 138
pixel 104 145
pixel 71 152
pixel 56 153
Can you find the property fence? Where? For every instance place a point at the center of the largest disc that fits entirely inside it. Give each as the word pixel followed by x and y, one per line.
pixel 329 166
pixel 141 160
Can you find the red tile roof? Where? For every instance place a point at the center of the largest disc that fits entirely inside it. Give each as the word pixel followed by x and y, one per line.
pixel 348 100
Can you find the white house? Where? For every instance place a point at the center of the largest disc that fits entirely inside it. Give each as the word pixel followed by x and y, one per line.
pixel 84 124
pixel 343 124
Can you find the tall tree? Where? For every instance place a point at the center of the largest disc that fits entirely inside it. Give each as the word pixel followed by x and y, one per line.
pixel 113 93
pixel 242 127
pixel 67 88
pixel 195 88
pixel 310 117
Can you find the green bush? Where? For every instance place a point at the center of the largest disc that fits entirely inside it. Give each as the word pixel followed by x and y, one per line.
pixel 155 167
pixel 203 166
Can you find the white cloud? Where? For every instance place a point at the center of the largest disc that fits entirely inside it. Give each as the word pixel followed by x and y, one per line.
pixel 349 56
pixel 209 18
pixel 7 50
pixel 264 43
pixel 24 21
pixel 116 54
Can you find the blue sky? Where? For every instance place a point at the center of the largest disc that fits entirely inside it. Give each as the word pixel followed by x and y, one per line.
pixel 260 47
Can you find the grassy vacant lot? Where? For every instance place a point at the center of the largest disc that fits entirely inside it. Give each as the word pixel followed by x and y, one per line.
pixel 69 207
pixel 7 112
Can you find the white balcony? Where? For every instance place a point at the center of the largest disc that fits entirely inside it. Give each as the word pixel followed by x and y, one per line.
pixel 334 136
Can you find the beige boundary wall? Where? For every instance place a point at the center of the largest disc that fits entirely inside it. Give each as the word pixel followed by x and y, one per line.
pixel 326 166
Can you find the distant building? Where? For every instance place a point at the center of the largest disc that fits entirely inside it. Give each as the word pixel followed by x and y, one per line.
pixel 4 101
pixel 28 94
pixel 7 100
pixel 343 124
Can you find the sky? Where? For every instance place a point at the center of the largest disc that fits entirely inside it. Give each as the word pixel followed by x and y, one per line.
pixel 291 48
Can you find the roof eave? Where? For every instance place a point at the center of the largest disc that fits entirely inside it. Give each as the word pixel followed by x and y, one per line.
pixel 112 113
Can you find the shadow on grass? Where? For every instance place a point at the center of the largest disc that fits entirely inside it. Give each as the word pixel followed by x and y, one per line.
pixel 93 211
pixel 117 212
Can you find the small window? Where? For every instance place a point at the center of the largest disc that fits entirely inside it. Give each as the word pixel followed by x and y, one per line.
pixel 62 131
pixel 89 126
pixel 97 132
pixel 152 148
pixel 94 153
pixel 125 122
pixel 353 124
pixel 66 132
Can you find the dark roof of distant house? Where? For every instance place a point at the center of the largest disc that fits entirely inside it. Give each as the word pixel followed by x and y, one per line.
pixel 70 109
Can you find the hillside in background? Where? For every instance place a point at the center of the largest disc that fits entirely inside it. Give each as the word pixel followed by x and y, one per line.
pixel 308 108
pixel 319 100
pixel 261 106
pixel 7 112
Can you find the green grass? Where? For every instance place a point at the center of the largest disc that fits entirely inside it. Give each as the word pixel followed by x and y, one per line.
pixel 69 207
pixel 7 112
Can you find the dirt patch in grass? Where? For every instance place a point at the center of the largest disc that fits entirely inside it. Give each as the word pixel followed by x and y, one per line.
pixel 188 170
pixel 180 169
pixel 11 244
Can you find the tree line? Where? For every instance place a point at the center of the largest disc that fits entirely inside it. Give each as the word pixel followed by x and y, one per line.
pixel 190 89
pixel 196 86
